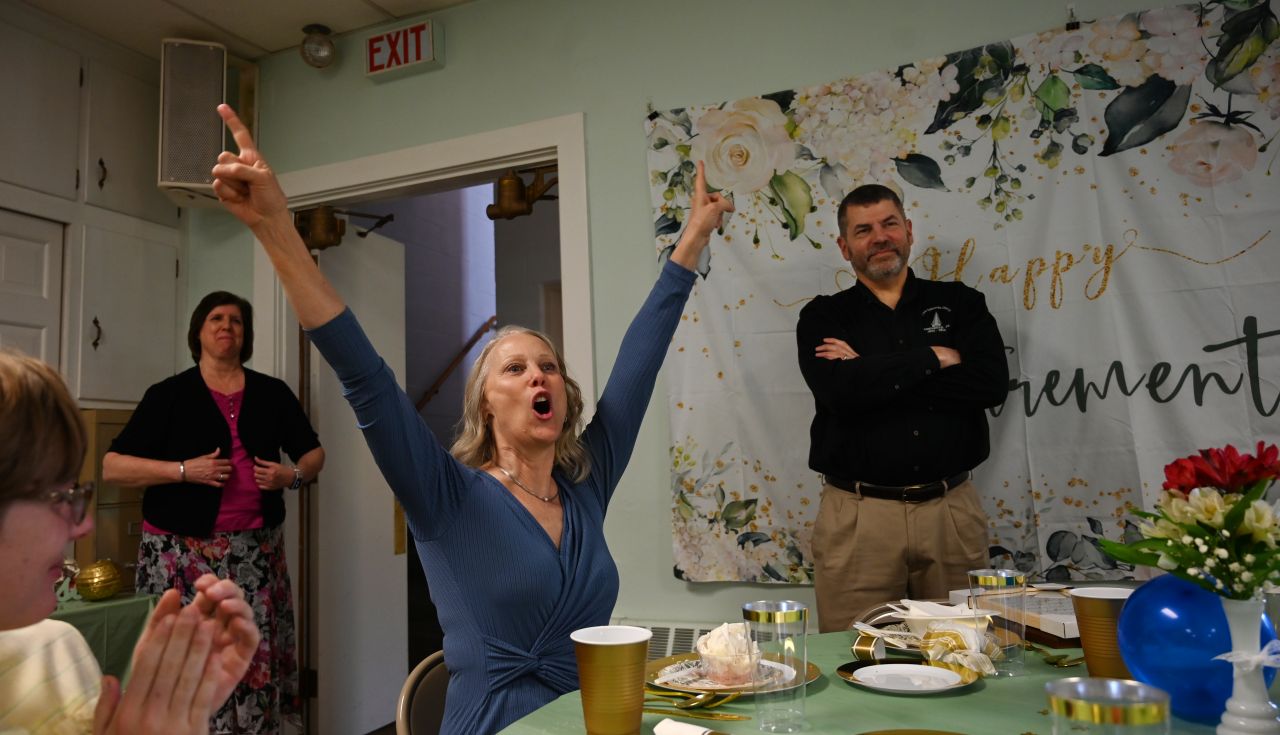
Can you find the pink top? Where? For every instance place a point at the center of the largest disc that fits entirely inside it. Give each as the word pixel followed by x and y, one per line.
pixel 241 507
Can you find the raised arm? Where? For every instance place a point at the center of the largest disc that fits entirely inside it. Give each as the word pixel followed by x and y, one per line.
pixel 420 471
pixel 248 188
pixel 706 210
pixel 611 435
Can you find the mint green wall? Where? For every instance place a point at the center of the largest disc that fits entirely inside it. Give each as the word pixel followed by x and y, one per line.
pixel 509 62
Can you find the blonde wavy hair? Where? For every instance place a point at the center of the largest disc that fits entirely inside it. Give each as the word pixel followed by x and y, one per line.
pixel 42 438
pixel 475 446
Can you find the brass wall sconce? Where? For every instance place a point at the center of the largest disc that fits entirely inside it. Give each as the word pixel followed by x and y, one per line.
pixel 513 198
pixel 320 227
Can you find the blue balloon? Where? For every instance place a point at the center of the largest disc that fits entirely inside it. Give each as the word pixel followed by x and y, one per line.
pixel 1169 631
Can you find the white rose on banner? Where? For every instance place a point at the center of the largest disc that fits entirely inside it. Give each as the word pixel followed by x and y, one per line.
pixel 743 145
pixel 1211 153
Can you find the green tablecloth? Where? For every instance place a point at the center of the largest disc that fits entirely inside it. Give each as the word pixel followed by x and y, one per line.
pixel 1011 706
pixel 110 626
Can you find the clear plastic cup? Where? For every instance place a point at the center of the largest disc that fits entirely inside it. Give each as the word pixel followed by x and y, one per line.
pixel 1097 706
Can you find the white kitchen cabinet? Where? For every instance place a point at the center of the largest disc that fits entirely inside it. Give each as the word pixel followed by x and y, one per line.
pixel 124 324
pixel 40 128
pixel 122 145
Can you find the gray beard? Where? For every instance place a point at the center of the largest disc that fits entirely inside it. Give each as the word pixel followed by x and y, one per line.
pixel 883 272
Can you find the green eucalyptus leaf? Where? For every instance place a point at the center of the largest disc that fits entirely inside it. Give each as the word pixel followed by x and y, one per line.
pixel 683 506
pixel 1054 94
pixel 1139 115
pixel 665 225
pixel 1092 76
pixel 795 199
pixel 738 514
pixel 774 573
pixel 719 495
pixel 920 170
pixel 755 538
pixel 1245 37
pixel 975 79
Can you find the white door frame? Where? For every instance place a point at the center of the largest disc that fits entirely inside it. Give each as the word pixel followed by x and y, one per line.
pixel 469 160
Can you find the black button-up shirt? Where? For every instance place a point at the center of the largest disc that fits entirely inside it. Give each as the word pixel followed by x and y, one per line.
pixel 893 415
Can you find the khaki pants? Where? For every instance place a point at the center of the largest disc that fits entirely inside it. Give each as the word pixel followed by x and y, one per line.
pixel 868 551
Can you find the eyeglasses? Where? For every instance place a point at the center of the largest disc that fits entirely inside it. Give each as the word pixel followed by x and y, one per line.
pixel 76 498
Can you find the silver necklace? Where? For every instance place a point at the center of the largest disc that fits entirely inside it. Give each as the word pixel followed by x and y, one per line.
pixel 522 486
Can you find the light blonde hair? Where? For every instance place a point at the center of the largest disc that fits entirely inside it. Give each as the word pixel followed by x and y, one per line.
pixel 475 446
pixel 42 437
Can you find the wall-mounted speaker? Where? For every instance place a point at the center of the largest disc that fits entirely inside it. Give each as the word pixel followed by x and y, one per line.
pixel 193 78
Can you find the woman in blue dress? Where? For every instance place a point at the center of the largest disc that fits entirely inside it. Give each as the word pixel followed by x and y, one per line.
pixel 510 526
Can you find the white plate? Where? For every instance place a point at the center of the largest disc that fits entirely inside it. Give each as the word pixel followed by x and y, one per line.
pixel 907 678
pixel 1049 586
pixel 682 673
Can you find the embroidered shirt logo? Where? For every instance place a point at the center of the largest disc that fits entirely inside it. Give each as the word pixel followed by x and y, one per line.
pixel 935 324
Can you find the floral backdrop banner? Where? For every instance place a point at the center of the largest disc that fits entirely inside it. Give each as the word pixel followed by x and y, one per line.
pixel 1111 190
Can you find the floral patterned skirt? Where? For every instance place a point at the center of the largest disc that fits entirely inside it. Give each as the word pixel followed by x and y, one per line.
pixel 255 560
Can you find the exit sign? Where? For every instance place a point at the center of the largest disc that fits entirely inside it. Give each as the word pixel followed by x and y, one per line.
pixel 410 48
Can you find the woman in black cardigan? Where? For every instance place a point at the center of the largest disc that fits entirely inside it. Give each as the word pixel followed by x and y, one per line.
pixel 206 444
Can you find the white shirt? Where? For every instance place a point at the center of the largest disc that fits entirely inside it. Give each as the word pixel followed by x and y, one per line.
pixel 49 681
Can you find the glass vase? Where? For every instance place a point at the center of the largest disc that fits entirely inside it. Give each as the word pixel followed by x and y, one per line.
pixel 1249 710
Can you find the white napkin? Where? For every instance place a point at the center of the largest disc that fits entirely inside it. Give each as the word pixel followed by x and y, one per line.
pixel 924 608
pixel 671 727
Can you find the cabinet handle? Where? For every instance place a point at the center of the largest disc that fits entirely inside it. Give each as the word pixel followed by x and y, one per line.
pixel 97 338
pixel 102 173
pixel 134 528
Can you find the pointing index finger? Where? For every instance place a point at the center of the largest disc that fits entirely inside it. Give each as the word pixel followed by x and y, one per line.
pixel 700 181
pixel 244 140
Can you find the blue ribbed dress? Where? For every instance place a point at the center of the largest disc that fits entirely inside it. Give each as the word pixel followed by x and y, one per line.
pixel 506 596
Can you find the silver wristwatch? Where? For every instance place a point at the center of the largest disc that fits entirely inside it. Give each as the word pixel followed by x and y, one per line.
pixel 297 479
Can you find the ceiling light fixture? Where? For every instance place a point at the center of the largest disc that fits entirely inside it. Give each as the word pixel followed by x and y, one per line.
pixel 317 47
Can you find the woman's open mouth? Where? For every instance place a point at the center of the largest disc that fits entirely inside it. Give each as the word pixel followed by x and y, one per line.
pixel 542 405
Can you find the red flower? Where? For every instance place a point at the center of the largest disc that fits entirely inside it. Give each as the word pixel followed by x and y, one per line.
pixel 1226 469
pixel 1180 476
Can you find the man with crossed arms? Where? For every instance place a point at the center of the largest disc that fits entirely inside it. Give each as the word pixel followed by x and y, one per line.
pixel 902 370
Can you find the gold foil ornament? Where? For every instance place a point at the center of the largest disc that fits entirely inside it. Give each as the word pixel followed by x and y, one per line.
pixel 99 581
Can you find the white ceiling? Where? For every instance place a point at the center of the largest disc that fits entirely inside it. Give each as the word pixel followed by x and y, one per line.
pixel 248 28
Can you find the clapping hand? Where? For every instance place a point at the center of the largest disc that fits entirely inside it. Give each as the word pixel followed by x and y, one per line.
pixel 185 665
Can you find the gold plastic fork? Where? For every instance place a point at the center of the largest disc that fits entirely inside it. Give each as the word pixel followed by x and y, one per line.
pixel 694 714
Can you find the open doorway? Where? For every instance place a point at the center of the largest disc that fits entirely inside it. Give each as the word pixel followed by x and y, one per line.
pixel 360 650
pixel 464 275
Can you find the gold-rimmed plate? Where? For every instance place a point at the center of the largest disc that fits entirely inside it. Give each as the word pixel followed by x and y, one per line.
pixel 680 673
pixel 906 677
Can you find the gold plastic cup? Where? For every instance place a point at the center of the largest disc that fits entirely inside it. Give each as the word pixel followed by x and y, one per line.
pixel 1097 611
pixel 1088 706
pixel 611 673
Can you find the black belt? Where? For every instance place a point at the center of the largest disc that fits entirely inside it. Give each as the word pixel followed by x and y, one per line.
pixel 904 493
